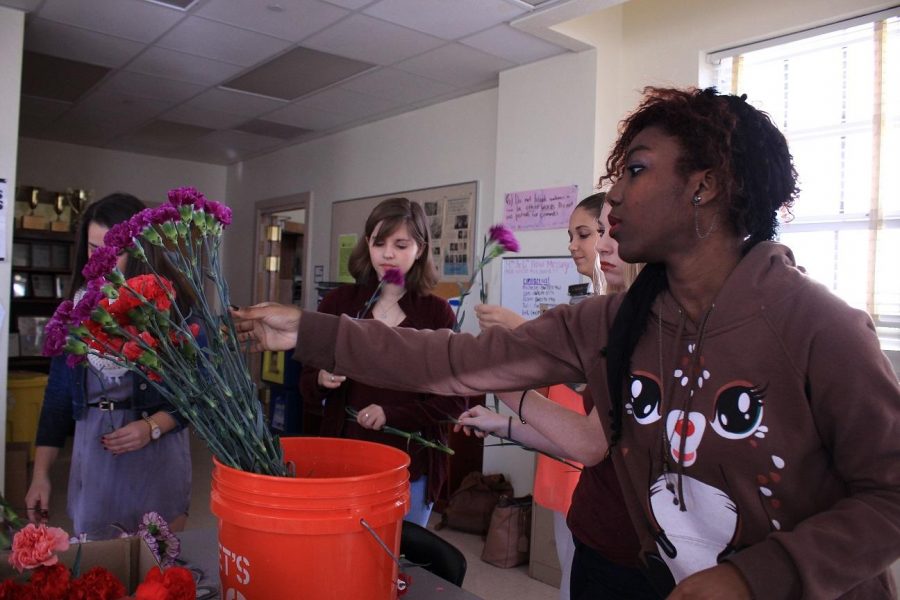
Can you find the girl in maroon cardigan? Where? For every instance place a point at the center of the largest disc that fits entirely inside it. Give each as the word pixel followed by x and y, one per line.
pixel 396 237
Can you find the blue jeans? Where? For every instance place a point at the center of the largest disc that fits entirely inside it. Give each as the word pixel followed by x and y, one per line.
pixel 419 511
pixel 596 578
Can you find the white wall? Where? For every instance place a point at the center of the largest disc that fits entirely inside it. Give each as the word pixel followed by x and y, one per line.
pixel 545 138
pixel 12 28
pixel 447 143
pixel 57 166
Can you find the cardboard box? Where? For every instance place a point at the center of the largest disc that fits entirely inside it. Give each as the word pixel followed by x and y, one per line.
pixel 129 559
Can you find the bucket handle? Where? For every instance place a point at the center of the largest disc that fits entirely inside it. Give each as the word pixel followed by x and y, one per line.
pixel 402 579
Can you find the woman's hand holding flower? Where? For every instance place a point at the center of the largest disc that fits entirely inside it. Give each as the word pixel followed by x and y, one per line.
pixel 371 417
pixel 491 315
pixel 268 326
pixel 482 422
pixel 329 380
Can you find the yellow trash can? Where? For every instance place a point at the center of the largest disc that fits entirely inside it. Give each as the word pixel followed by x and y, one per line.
pixel 25 394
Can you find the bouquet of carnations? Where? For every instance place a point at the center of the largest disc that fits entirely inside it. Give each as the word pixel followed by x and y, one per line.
pixel 34 550
pixel 190 355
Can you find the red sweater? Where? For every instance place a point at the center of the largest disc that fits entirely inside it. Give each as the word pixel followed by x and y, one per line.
pixel 408 411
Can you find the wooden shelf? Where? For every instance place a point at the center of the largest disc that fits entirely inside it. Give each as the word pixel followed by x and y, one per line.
pixel 43 235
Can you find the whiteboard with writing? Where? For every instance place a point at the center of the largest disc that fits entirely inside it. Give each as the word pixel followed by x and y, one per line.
pixel 528 282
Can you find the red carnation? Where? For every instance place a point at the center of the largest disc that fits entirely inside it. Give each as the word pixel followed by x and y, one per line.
pixel 50 582
pixel 176 584
pixel 97 584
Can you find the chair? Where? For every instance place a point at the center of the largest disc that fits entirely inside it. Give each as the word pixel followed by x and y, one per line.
pixel 433 553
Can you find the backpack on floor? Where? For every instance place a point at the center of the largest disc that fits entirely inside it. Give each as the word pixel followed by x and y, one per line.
pixel 470 506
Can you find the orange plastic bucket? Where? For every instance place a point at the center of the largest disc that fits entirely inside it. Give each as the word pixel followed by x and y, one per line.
pixel 302 537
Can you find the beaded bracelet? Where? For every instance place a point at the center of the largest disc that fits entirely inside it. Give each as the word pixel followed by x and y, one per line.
pixel 521 403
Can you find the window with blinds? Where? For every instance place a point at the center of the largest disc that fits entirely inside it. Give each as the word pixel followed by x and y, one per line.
pixel 836 97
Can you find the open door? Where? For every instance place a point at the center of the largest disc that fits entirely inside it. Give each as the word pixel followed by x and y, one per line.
pixel 280 275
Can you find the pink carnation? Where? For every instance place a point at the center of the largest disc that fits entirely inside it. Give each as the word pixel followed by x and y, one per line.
pixel 503 236
pixel 37 545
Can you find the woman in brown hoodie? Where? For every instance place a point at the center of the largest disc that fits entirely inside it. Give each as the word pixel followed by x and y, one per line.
pixel 751 415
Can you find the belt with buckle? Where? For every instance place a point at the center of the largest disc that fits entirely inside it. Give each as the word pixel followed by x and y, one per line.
pixel 108 405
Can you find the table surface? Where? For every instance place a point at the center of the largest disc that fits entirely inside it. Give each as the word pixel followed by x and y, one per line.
pixel 199 548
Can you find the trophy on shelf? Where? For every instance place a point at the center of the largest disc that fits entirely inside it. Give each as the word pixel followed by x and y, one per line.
pixel 78 199
pixel 59 207
pixel 32 220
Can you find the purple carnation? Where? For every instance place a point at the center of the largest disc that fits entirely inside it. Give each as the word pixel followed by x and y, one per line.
pixel 162 214
pixel 502 235
pixel 120 236
pixel 218 210
pixel 92 297
pixel 394 276
pixel 187 195
pixel 101 262
pixel 57 330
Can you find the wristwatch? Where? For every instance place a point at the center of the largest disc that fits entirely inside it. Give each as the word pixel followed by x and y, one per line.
pixel 155 431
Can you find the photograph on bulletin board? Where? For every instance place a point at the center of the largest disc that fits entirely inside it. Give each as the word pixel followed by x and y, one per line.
pixel 273 367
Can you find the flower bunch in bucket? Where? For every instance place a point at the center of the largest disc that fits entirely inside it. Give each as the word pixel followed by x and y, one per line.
pixel 188 350
pixel 499 240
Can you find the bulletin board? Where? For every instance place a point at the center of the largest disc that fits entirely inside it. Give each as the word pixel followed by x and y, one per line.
pixel 526 282
pixel 451 214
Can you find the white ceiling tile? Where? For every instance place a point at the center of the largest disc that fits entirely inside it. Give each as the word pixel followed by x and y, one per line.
pixel 183 67
pixel 227 147
pixel 204 117
pixel 74 43
pixel 118 103
pixel 296 20
pixel 456 64
pixel 238 103
pixel 401 86
pixel 23 5
pixel 346 102
pixel 372 40
pixel 351 4
pixel 448 19
pixel 512 44
pixel 132 19
pixel 42 108
pixel 308 117
pixel 147 86
pixel 221 42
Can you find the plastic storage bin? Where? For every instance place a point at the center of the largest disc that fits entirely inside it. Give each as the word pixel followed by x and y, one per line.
pixel 25 394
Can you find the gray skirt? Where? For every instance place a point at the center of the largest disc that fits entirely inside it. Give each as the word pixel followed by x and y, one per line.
pixel 108 492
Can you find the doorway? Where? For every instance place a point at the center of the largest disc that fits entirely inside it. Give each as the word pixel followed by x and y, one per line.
pixel 282 248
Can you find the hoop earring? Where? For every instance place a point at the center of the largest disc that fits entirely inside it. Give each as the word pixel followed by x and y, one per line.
pixel 695 202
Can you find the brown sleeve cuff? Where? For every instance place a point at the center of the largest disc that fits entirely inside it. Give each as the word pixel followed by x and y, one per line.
pixel 769 571
pixel 316 340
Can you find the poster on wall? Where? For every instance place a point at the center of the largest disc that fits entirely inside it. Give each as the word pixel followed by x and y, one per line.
pixel 458 222
pixel 346 244
pixel 545 208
